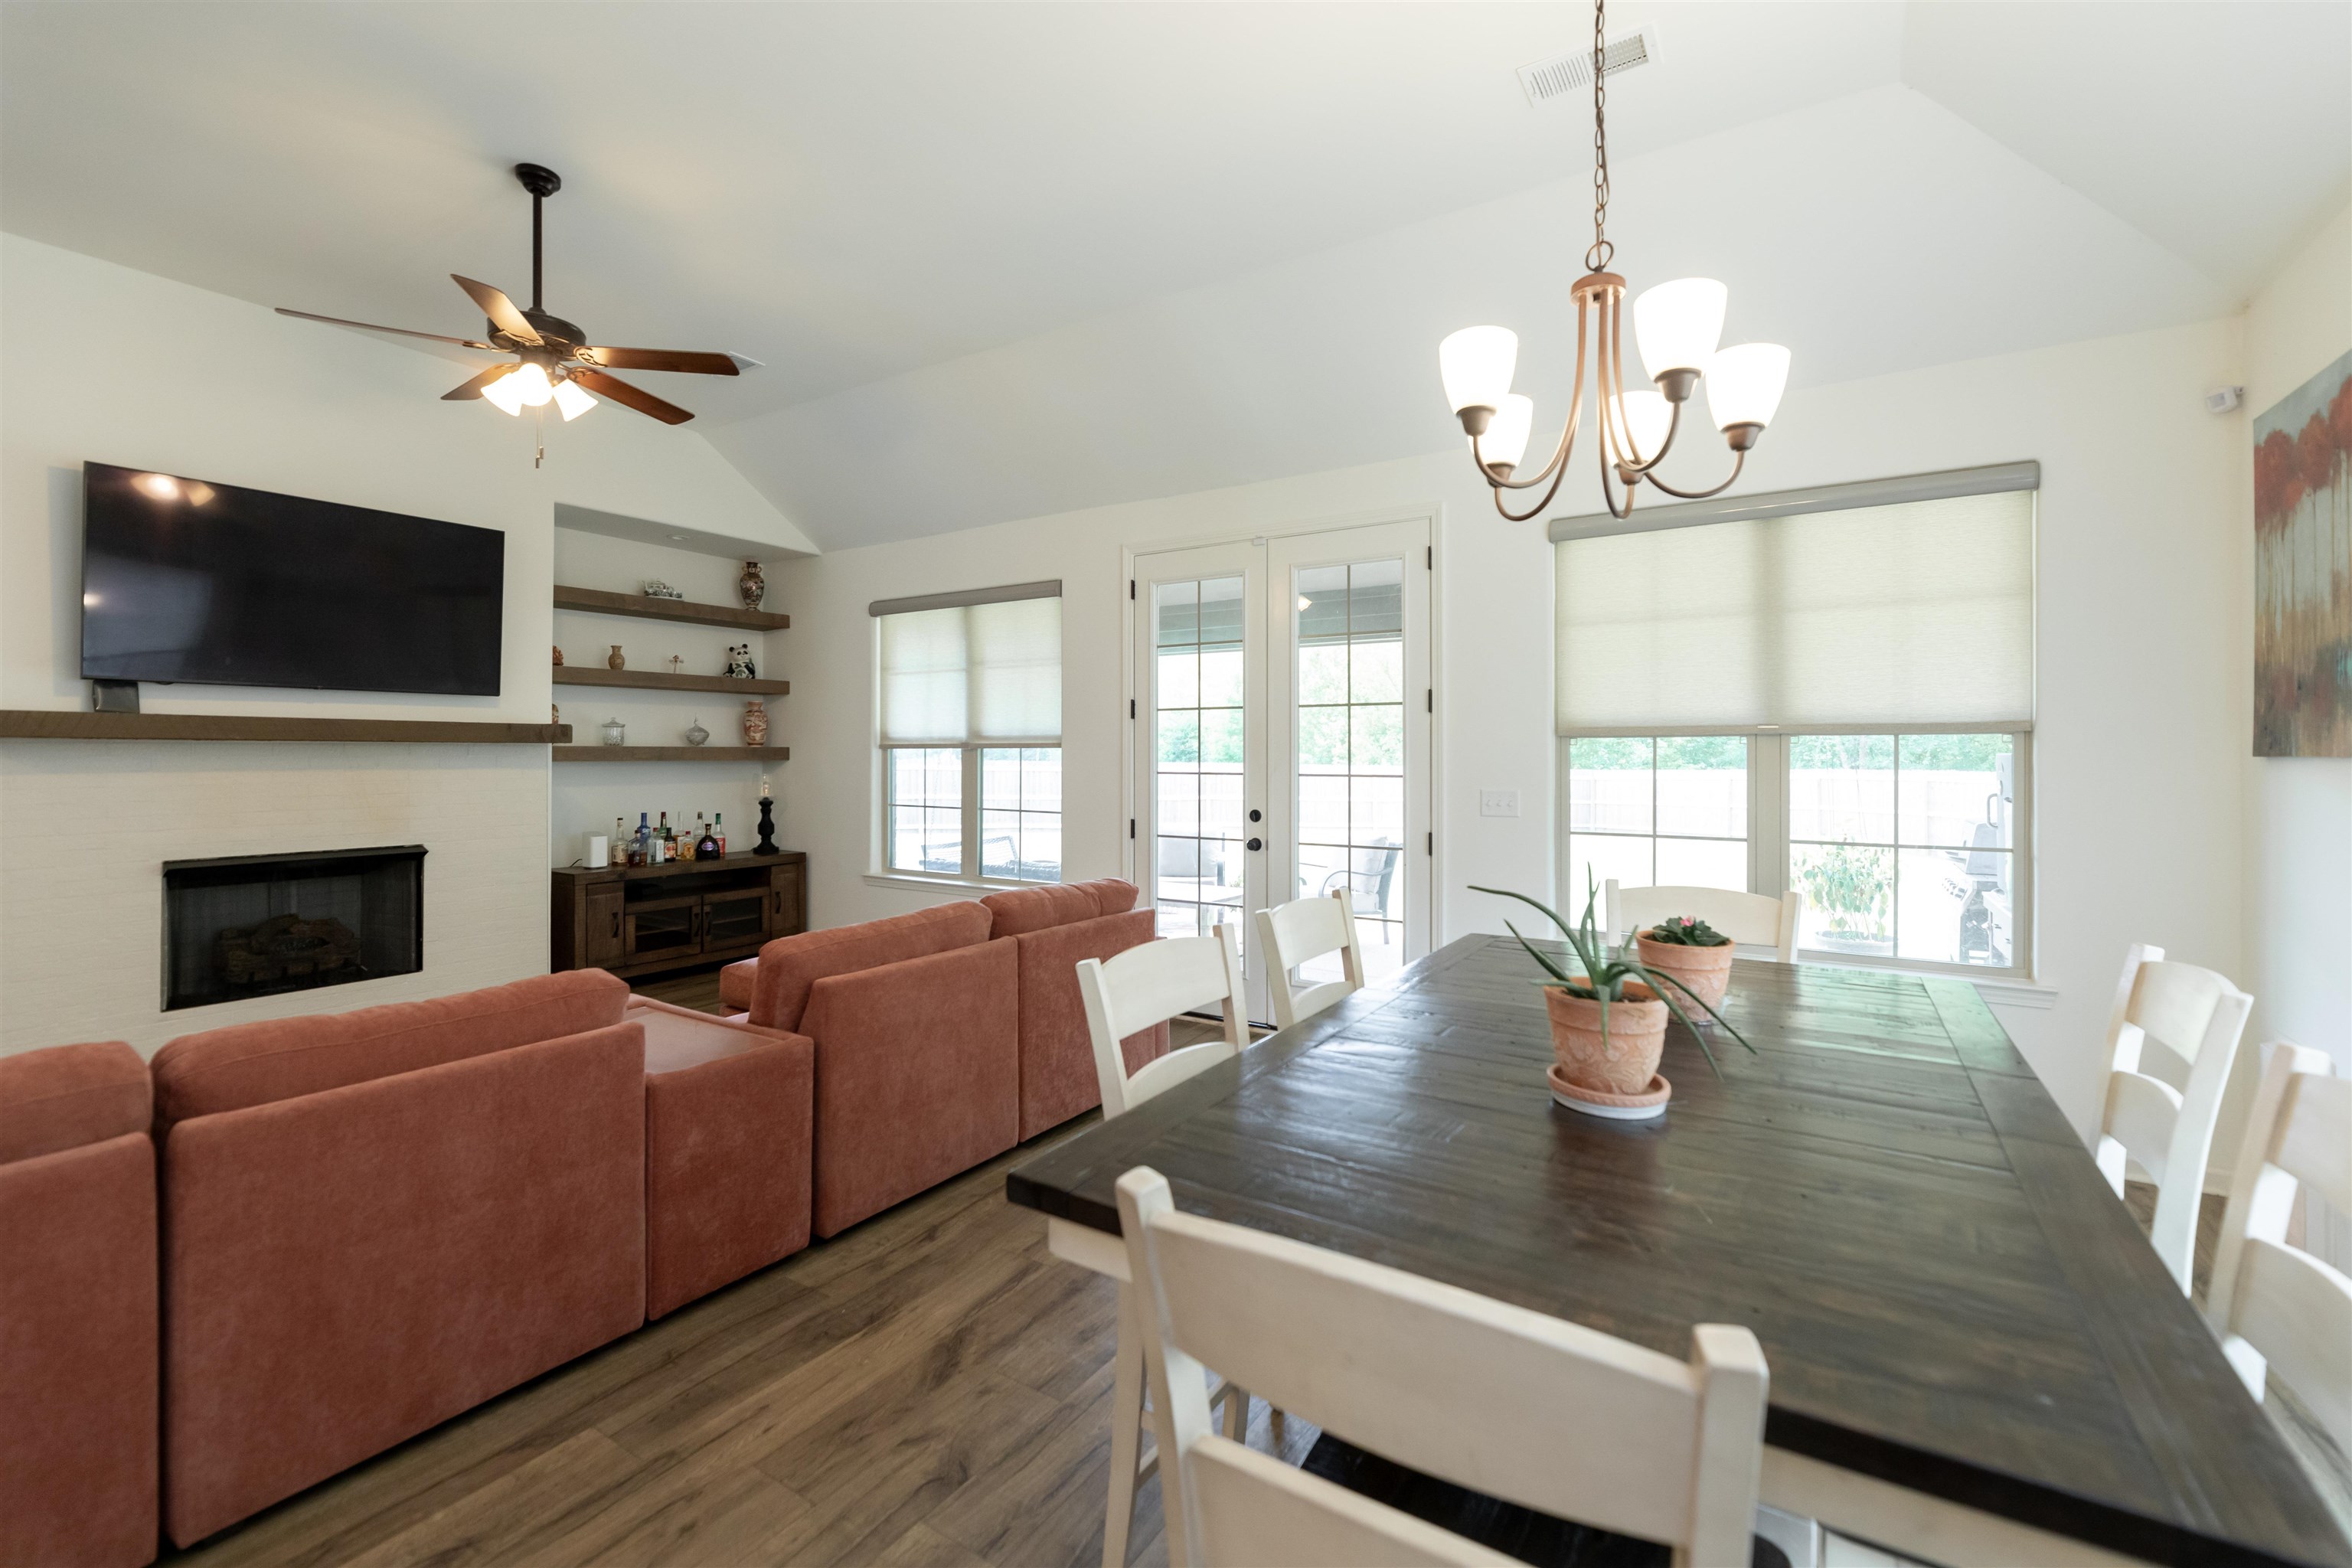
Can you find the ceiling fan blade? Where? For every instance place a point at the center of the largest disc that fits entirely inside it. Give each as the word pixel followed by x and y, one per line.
pixel 472 386
pixel 398 331
pixel 687 360
pixel 500 310
pixel 628 396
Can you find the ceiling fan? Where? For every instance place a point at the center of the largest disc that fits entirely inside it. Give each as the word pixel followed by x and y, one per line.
pixel 554 361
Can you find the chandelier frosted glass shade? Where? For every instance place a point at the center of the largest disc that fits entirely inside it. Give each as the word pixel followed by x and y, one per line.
pixel 1678 324
pixel 1648 418
pixel 1744 384
pixel 1506 440
pixel 1477 365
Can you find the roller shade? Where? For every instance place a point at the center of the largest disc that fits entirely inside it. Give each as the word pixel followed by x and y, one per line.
pixel 1914 613
pixel 972 673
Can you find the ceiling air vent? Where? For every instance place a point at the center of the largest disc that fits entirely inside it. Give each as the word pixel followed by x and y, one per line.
pixel 1546 81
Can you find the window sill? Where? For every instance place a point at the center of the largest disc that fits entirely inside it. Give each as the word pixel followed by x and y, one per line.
pixel 947 884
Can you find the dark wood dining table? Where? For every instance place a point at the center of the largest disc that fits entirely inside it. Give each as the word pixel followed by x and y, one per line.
pixel 1974 1354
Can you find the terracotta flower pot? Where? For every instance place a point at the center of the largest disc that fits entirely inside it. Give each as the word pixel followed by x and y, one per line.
pixel 1624 1060
pixel 1706 970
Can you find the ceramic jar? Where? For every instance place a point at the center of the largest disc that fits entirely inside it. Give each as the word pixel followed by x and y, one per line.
pixel 697 735
pixel 1706 970
pixel 755 723
pixel 1622 1061
pixel 615 658
pixel 752 584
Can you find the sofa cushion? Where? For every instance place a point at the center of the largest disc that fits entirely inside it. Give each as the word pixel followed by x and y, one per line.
pixel 1023 910
pixel 791 965
pixel 1058 1078
pixel 67 1096
pixel 255 1063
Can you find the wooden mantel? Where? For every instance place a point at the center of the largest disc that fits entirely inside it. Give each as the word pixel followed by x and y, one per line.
pixel 70 724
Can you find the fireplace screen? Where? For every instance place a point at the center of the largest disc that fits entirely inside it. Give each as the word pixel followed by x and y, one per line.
pixel 258 924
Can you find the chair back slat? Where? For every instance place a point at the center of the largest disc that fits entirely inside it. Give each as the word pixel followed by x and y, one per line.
pixel 1149 985
pixel 1526 1407
pixel 2279 1311
pixel 1751 920
pixel 2162 1103
pixel 1300 931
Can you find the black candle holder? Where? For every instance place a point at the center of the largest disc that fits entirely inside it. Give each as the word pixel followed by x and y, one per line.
pixel 767 844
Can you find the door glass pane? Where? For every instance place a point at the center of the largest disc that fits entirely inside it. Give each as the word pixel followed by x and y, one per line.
pixel 1350 728
pixel 1198 859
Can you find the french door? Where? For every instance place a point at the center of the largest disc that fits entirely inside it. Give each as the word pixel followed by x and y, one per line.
pixel 1282 729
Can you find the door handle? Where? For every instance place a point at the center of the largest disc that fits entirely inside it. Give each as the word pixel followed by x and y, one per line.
pixel 1257 843
pixel 616 925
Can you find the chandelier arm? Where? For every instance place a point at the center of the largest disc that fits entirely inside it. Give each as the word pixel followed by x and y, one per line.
pixel 1610 499
pixel 1624 453
pixel 1559 456
pixel 1535 511
pixel 1739 461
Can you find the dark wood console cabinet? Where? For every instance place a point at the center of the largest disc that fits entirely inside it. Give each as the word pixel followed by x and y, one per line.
pixel 645 920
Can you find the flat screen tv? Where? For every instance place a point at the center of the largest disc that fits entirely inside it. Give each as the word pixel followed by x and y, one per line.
pixel 191 580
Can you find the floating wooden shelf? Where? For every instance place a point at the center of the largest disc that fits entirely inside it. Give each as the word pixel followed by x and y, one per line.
pixel 69 724
pixel 673 753
pixel 644 608
pixel 659 680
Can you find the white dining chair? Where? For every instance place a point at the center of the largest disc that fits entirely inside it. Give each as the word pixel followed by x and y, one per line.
pixel 1125 993
pixel 1751 920
pixel 1300 931
pixel 1548 1415
pixel 2277 1309
pixel 2162 1103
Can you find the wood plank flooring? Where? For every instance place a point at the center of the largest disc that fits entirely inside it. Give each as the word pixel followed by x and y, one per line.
pixel 930 1389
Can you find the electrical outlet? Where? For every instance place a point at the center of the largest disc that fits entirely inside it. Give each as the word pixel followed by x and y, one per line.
pixel 1499 802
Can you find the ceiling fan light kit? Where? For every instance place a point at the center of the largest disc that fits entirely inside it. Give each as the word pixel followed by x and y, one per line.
pixel 554 362
pixel 1676 327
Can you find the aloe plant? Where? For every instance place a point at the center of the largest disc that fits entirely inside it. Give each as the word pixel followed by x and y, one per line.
pixel 1604 977
pixel 1683 930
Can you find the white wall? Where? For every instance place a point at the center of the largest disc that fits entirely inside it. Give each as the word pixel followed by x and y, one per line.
pixel 2142 718
pixel 98 361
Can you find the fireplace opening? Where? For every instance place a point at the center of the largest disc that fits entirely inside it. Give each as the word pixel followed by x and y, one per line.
pixel 257 925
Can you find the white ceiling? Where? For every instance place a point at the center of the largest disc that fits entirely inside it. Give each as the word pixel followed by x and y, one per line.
pixel 1003 259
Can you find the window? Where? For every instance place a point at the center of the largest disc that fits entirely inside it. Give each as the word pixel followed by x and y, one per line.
pixel 970 721
pixel 1652 811
pixel 1851 675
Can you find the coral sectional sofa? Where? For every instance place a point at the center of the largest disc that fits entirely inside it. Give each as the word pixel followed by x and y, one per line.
pixel 373 1221
pixel 78 1310
pixel 1051 928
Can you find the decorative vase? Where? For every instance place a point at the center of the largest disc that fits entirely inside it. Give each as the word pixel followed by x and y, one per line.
pixel 755 723
pixel 558 658
pixel 615 732
pixel 615 659
pixel 753 585
pixel 1623 1060
pixel 1706 970
pixel 695 735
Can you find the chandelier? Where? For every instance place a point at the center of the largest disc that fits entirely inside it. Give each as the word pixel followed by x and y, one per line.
pixel 1676 326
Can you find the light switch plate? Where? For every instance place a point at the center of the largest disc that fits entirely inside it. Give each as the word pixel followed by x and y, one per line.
pixel 1499 802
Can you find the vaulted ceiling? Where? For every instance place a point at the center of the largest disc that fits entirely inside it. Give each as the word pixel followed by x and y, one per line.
pixel 1005 260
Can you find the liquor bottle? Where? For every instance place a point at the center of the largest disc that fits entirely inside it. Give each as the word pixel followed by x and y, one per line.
pixel 641 848
pixel 719 831
pixel 666 847
pixel 706 847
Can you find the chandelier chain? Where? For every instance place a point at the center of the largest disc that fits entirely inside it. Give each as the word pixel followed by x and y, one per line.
pixel 1596 259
